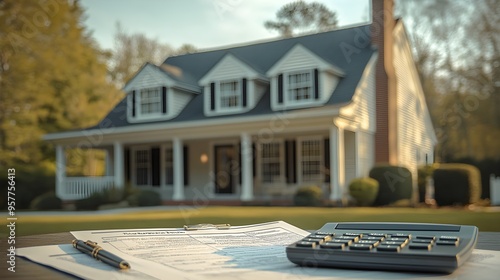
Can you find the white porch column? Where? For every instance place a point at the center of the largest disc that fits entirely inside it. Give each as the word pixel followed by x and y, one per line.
pixel 119 174
pixel 110 162
pixel 178 169
pixel 246 168
pixel 357 161
pixel 337 164
pixel 60 171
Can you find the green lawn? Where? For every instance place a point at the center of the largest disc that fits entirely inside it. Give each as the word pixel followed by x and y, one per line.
pixel 303 217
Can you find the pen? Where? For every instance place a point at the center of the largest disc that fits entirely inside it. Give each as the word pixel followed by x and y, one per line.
pixel 92 249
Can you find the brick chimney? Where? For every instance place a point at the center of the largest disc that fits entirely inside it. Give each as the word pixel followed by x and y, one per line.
pixel 382 38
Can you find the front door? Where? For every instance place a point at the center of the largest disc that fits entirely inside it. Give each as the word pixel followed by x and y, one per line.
pixel 226 168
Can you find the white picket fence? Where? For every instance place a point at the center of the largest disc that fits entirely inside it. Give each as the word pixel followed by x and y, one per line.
pixel 494 190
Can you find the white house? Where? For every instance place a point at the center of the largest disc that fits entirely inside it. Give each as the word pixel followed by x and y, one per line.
pixel 259 120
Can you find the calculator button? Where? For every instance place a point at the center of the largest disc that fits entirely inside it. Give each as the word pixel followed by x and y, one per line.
pixel 372 238
pixel 371 242
pixel 391 243
pixel 315 240
pixel 420 246
pixel 401 235
pixel 343 237
pixel 392 239
pixel 388 248
pixel 447 242
pixel 450 238
pixel 332 245
pixel 352 234
pixel 357 246
pixel 306 244
pixel 324 233
pixel 376 234
pixel 425 237
pixel 341 241
pixel 320 237
pixel 424 241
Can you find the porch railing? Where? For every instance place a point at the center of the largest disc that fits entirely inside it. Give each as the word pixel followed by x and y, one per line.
pixel 83 187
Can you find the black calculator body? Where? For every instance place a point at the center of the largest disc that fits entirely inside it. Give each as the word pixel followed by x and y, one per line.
pixel 386 246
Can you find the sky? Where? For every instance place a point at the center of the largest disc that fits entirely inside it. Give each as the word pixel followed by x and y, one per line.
pixel 202 23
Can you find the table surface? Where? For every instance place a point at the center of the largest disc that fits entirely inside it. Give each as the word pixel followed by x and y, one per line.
pixel 28 270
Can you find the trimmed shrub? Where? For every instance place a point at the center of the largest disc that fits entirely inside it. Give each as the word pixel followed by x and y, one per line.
pixel 144 198
pixel 456 184
pixel 364 190
pixel 424 173
pixel 92 202
pixel 46 201
pixel 395 183
pixel 308 196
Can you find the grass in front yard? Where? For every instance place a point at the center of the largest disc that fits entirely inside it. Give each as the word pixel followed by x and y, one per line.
pixel 303 217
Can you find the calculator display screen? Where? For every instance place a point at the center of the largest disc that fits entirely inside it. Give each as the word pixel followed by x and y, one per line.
pixel 397 226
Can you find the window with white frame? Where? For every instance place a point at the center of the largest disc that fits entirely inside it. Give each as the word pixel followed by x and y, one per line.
pixel 142 165
pixel 169 166
pixel 150 101
pixel 300 86
pixel 271 162
pixel 230 94
pixel 311 160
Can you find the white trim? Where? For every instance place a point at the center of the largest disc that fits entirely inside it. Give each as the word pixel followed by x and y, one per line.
pixel 178 158
pixel 229 60
pixel 321 64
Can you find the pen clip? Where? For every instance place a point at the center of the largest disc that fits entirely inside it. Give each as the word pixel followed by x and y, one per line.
pixel 92 244
pixel 207 226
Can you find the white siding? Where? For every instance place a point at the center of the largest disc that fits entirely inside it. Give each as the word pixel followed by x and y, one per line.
pixel 260 89
pixel 366 152
pixel 328 82
pixel 350 156
pixel 363 107
pixel 415 132
pixel 228 68
pixel 298 58
pixel 177 100
pixel 148 77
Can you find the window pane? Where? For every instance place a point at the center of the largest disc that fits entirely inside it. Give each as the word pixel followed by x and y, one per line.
pixel 271 164
pixel 299 86
pixel 311 160
pixel 230 94
pixel 150 101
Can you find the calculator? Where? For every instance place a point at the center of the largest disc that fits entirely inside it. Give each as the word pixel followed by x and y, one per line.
pixel 386 246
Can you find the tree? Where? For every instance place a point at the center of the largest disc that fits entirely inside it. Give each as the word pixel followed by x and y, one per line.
pixel 52 78
pixel 301 16
pixel 131 51
pixel 457 51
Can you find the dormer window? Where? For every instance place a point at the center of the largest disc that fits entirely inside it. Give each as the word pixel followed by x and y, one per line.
pixel 230 94
pixel 300 86
pixel 150 101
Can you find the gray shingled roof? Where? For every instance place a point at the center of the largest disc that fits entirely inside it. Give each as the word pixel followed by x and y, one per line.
pixel 261 57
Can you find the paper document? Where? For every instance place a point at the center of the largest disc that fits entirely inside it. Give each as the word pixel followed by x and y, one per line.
pixel 242 252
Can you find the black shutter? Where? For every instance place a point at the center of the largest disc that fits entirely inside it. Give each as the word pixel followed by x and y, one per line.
pixel 126 158
pixel 239 165
pixel 280 88
pixel 185 154
pixel 155 166
pixel 133 103
pixel 244 92
pixel 290 161
pixel 254 160
pixel 316 84
pixel 212 96
pixel 326 144
pixel 164 100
